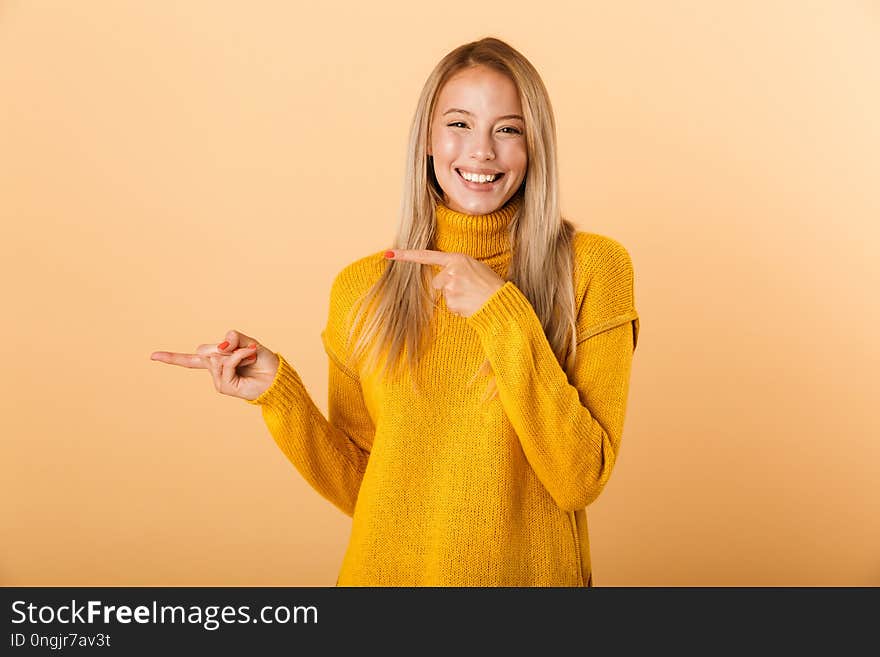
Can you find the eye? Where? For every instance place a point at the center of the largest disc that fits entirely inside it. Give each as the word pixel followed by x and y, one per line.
pixel 511 129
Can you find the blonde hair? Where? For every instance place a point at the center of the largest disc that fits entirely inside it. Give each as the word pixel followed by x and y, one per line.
pixel 402 299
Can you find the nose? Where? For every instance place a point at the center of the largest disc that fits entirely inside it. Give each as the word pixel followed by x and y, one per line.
pixel 482 148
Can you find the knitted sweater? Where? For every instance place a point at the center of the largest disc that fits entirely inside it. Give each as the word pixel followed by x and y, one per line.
pixel 444 491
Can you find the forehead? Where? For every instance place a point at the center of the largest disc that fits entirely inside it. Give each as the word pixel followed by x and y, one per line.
pixel 480 89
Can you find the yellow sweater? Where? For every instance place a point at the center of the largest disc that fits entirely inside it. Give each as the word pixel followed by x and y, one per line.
pixel 445 491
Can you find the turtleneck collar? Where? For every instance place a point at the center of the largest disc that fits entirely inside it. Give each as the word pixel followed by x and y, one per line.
pixel 481 236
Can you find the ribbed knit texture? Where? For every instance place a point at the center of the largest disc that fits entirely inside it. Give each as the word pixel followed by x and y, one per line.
pixel 444 490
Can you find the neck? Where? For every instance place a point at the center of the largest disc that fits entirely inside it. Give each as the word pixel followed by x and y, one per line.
pixel 481 236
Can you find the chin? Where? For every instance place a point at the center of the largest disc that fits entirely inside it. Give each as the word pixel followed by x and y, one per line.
pixel 478 206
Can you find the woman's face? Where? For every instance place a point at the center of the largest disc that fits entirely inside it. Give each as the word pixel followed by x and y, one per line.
pixel 477 128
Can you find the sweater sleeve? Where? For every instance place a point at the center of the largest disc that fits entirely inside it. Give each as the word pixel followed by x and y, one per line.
pixel 331 453
pixel 570 431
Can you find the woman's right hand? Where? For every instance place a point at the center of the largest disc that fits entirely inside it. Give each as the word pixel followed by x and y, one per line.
pixel 240 366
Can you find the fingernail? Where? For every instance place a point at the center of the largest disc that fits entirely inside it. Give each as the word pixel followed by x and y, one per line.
pixel 252 345
pixel 223 344
pixel 389 254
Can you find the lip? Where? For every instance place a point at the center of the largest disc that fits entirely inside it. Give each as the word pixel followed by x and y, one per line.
pixel 478 187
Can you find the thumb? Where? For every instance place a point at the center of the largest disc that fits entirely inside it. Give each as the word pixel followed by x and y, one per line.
pixel 236 340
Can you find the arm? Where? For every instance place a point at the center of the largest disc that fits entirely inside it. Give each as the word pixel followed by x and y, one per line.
pixel 570 432
pixel 331 455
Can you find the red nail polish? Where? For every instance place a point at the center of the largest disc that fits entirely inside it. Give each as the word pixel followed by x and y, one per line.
pixel 223 345
pixel 252 345
pixel 389 254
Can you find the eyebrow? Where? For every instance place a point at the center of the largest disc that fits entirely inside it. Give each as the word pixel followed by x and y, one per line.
pixel 500 118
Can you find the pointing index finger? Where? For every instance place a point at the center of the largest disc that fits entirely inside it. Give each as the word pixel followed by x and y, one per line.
pixel 424 256
pixel 192 361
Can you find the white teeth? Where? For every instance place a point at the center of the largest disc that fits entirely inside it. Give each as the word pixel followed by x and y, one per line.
pixel 480 178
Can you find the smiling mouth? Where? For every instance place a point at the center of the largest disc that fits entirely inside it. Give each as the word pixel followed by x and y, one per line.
pixel 498 176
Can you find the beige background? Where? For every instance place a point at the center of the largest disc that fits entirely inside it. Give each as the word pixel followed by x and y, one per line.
pixel 169 171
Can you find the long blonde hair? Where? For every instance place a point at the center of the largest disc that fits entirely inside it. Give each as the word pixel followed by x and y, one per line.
pixel 400 303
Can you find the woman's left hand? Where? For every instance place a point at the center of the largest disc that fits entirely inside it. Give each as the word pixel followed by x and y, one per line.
pixel 466 282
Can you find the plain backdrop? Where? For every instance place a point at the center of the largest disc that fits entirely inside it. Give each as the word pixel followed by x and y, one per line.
pixel 173 170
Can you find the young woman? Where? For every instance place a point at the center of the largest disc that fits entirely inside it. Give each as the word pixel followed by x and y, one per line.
pixel 487 289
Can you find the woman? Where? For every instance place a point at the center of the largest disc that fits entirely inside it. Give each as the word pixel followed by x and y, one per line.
pixel 487 282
